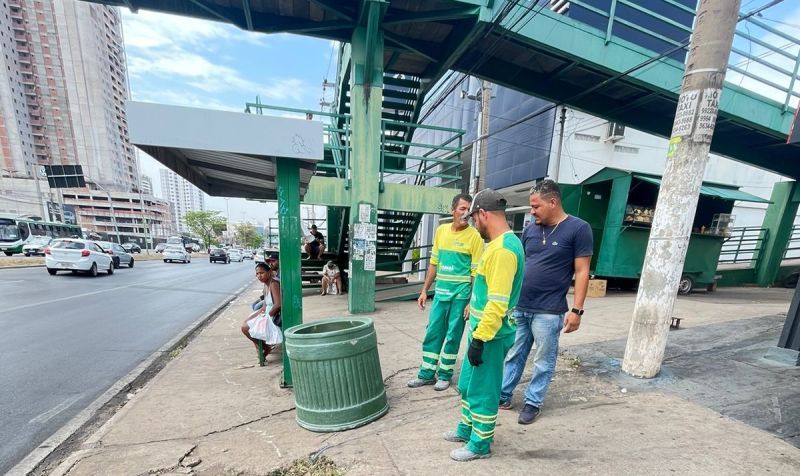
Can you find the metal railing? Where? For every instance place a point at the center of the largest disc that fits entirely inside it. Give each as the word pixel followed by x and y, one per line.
pixel 761 58
pixel 437 164
pixel 419 264
pixel 793 245
pixel 743 245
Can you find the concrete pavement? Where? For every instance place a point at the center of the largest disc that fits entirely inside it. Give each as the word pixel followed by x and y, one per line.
pixel 212 410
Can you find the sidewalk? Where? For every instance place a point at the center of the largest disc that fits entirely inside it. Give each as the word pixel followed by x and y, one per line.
pixel 212 410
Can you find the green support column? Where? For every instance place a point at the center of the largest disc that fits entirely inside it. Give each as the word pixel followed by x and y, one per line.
pixel 778 221
pixel 288 184
pixel 365 107
pixel 617 201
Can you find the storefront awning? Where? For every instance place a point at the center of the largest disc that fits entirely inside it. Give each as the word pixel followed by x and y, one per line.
pixel 717 191
pixel 227 154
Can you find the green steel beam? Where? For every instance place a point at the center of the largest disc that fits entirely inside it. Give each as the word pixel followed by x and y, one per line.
pixel 335 8
pixel 213 11
pixel 289 231
pixel 778 220
pixel 422 48
pixel 432 15
pixel 331 192
pixel 248 16
pixel 365 106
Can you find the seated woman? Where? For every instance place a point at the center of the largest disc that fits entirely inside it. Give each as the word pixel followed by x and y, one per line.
pixel 271 304
pixel 331 276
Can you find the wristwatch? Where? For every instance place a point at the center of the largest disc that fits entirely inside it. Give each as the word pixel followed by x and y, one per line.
pixel 576 311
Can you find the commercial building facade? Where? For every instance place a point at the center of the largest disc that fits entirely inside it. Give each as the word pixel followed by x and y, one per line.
pixel 182 196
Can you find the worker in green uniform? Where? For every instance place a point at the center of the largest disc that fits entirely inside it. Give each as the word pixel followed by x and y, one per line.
pixel 498 282
pixel 457 247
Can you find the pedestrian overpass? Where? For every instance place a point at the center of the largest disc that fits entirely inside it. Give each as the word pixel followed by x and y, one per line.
pixel 591 57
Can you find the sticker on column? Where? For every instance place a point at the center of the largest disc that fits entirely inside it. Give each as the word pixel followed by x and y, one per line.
pixel 369 257
pixel 673 147
pixel 360 231
pixel 707 119
pixel 364 212
pixel 359 246
pixel 686 113
pixel 370 232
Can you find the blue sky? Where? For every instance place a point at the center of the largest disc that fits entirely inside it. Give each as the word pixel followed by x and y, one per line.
pixel 189 62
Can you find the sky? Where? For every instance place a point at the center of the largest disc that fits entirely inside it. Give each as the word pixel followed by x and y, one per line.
pixel 190 62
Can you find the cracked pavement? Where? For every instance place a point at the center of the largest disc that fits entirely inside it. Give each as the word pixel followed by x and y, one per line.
pixel 212 411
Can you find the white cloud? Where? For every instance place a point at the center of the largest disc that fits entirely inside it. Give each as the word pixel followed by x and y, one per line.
pixel 148 29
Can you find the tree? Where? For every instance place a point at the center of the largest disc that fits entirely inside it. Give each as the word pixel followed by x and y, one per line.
pixel 207 224
pixel 247 236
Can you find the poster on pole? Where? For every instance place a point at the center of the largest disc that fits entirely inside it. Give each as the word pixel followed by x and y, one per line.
pixel 364 212
pixel 686 113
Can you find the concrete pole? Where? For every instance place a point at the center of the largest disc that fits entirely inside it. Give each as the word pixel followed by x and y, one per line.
pixel 687 156
pixel 35 174
pixel 113 215
pixel 557 164
pixel 480 145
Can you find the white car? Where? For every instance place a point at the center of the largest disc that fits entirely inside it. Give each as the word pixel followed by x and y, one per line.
pixel 72 254
pixel 36 245
pixel 176 253
pixel 259 258
pixel 235 255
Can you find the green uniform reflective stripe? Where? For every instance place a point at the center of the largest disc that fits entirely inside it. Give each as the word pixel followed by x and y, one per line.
pixel 430 355
pixel 452 278
pixel 447 367
pixel 447 356
pixel 483 418
pixel 484 435
pixel 498 297
pixel 428 366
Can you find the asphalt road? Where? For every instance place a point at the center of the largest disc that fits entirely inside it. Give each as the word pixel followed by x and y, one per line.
pixel 65 339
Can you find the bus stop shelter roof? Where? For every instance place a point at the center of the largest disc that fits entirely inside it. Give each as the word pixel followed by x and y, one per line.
pixel 226 154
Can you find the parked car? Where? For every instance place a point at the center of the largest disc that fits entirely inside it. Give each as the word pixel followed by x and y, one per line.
pixel 260 256
pixel 176 253
pixel 118 254
pixel 72 254
pixel 160 247
pixel 36 245
pixel 235 254
pixel 132 247
pixel 248 254
pixel 218 255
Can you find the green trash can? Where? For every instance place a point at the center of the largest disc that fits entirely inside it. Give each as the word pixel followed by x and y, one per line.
pixel 336 373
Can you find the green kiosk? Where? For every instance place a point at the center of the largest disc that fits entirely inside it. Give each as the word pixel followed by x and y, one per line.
pixel 620 205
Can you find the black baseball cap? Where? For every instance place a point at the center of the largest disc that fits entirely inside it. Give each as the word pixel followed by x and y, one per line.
pixel 272 257
pixel 489 200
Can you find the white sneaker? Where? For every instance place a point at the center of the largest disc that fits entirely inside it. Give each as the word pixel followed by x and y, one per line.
pixel 463 454
pixel 418 382
pixel 453 437
pixel 441 385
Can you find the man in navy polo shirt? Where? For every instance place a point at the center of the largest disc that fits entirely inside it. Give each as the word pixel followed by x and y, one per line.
pixel 557 246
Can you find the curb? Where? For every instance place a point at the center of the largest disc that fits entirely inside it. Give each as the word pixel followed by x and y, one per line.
pixel 52 443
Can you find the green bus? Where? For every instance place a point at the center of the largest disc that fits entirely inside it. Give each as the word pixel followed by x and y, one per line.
pixel 16 231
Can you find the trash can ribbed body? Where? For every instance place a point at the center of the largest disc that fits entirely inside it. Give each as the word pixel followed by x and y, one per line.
pixel 336 371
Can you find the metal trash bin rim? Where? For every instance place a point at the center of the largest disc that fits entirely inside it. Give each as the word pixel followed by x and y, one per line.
pixel 339 326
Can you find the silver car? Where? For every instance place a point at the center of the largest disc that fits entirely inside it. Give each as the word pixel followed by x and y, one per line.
pixel 36 245
pixel 176 253
pixel 118 253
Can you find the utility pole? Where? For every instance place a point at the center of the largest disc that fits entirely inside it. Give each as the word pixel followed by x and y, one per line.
pixel 687 156
pixel 35 174
pixel 557 163
pixel 481 145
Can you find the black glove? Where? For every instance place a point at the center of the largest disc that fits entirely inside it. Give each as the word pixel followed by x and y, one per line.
pixel 475 352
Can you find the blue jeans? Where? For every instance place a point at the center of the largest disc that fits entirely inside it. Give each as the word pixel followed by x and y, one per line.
pixel 544 330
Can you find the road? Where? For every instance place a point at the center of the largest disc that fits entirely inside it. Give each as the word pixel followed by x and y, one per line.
pixel 65 339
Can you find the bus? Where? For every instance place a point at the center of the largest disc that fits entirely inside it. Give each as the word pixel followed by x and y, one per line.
pixel 16 231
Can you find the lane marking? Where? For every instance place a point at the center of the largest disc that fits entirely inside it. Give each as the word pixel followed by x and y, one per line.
pixel 74 296
pixel 49 414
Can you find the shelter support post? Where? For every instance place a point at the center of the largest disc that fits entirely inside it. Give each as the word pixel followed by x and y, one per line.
pixel 617 202
pixel 288 192
pixel 778 222
pixel 365 104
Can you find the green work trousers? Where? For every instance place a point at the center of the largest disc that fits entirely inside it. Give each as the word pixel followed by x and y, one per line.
pixel 442 339
pixel 480 395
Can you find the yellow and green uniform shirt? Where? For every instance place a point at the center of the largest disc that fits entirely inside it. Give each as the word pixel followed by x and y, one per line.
pixel 498 283
pixel 455 255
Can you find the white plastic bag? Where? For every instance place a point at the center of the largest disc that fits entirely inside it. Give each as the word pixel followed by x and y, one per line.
pixel 262 328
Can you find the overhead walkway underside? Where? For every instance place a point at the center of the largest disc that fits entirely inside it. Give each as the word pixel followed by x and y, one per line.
pixel 546 55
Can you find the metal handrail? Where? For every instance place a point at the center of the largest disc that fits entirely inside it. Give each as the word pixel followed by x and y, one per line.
pixel 744 244
pixel 778 84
